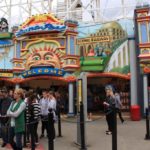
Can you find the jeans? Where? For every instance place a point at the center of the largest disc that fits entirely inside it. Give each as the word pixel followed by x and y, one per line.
pixel 44 124
pixel 0 130
pixel 110 121
pixel 120 114
pixel 18 144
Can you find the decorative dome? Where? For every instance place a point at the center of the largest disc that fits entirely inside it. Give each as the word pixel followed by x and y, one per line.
pixel 112 25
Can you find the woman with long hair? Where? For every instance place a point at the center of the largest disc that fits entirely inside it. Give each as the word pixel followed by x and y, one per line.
pixel 16 113
pixel 32 118
pixel 109 106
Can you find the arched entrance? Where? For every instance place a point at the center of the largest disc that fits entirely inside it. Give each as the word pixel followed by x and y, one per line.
pixel 44 82
pixel 96 88
pixel 6 82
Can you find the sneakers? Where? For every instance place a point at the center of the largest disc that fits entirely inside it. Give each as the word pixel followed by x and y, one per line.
pixel 89 120
pixel 36 143
pixel 109 133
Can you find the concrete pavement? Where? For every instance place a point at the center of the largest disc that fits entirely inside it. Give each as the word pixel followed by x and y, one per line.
pixel 130 136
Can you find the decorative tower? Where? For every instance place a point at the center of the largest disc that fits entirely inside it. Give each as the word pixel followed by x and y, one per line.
pixel 71 58
pixel 142 31
pixel 17 61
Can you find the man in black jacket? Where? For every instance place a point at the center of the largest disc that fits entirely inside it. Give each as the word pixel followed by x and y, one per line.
pixel 5 103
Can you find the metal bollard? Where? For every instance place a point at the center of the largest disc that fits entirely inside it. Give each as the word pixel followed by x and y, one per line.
pixel 51 132
pixel 82 127
pixel 25 134
pixel 32 137
pixel 147 135
pixel 59 123
pixel 114 132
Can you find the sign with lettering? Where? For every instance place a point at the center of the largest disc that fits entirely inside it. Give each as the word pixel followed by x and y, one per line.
pixel 43 71
pixel 8 75
pixel 93 39
pixel 42 27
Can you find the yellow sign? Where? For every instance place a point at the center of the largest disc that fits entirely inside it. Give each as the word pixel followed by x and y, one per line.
pixel 93 39
pixel 79 94
pixel 80 90
pixel 6 75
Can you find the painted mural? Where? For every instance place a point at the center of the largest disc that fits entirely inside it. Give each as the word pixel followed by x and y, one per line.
pixel 46 46
pixel 6 49
pixel 104 47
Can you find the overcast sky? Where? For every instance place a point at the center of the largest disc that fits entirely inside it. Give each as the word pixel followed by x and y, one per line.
pixel 109 9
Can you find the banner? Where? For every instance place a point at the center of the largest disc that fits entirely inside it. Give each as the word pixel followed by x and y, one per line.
pixel 42 27
pixel 8 75
pixel 43 71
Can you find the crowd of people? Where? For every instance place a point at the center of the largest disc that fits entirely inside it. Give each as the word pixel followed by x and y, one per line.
pixel 21 111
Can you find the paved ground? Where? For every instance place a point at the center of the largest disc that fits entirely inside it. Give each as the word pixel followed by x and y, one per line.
pixel 130 136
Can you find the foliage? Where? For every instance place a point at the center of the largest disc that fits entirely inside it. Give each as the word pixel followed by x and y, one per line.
pixel 124 70
pixel 117 69
pixel 117 43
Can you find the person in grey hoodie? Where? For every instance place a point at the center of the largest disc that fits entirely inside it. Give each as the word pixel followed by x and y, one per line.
pixel 118 106
pixel 109 105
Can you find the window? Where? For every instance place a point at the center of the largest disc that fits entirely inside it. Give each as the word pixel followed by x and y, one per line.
pixel 72 48
pixel 119 59
pixel 144 35
pixel 81 51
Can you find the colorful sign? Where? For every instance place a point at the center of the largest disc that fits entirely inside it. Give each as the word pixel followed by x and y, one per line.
pixel 93 40
pixel 41 27
pixel 43 71
pixel 8 75
pixel 43 22
pixel 80 97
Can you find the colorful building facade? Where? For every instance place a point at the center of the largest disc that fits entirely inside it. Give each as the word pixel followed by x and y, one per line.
pixel 45 52
pixel 142 26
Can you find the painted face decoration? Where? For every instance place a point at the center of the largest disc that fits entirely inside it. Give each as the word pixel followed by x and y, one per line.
pixel 43 56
